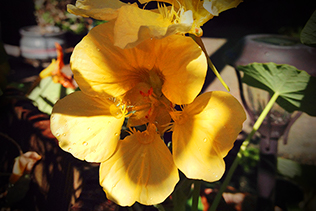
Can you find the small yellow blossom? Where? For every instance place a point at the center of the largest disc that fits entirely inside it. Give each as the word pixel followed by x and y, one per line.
pixel 133 25
pixel 54 70
pixel 142 85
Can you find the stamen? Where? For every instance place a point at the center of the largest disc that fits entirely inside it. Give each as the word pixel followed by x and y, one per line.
pixel 178 116
pixel 119 109
pixel 145 5
pixel 130 113
pixel 170 14
pixel 163 10
pixel 149 110
pixel 141 107
pixel 131 130
pixel 167 127
pixel 182 107
pixel 149 92
pixel 134 109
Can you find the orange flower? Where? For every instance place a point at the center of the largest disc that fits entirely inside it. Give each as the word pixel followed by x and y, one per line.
pixel 54 70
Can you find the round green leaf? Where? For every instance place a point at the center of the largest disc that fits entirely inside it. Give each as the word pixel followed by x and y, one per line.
pixel 296 88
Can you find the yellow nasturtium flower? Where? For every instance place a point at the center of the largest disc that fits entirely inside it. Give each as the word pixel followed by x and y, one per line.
pixel 133 25
pixel 142 85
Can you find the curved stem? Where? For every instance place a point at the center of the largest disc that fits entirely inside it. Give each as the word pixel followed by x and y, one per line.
pixel 196 195
pixel 198 40
pixel 13 142
pixel 243 147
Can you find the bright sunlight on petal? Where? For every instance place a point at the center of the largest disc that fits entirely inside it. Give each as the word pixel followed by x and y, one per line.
pixel 85 127
pixel 204 133
pixel 140 170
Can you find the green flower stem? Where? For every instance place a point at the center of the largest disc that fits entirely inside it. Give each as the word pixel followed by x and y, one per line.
pixel 198 40
pixel 243 147
pixel 213 68
pixel 196 195
pixel 160 207
pixel 181 193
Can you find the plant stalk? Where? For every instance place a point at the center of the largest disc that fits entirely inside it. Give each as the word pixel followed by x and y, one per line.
pixel 196 195
pixel 198 40
pixel 243 147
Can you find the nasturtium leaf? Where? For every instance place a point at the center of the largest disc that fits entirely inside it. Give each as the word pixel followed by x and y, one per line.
pixel 302 174
pixel 308 34
pixel 19 190
pixel 296 88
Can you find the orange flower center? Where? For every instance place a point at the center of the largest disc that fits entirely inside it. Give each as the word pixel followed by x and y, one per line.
pixel 145 102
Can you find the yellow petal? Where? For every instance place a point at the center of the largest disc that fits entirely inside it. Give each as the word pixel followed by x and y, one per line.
pixel 115 70
pixel 204 133
pixel 179 60
pixel 145 24
pixel 129 31
pixel 85 126
pixel 166 1
pixel 49 69
pixel 184 67
pixel 97 9
pixel 217 6
pixel 140 170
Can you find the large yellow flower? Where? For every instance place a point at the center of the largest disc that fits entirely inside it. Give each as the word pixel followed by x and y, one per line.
pixel 143 85
pixel 133 25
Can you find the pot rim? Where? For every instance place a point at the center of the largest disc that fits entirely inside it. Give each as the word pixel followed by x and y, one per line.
pixel 36 30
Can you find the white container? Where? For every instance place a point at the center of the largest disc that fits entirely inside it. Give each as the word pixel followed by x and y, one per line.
pixel 36 44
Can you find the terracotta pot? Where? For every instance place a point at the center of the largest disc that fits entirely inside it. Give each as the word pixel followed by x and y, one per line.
pixel 36 44
pixel 263 48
